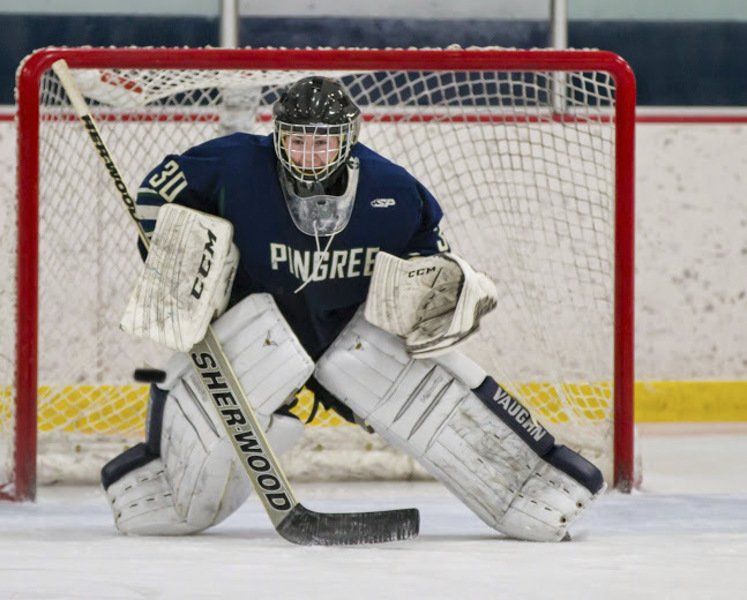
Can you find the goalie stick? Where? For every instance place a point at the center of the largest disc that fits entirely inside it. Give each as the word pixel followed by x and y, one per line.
pixel 291 519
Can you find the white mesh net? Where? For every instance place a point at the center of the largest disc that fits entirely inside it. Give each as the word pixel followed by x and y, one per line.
pixel 528 193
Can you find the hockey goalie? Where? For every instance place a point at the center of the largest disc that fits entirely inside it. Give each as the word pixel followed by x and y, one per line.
pixel 321 263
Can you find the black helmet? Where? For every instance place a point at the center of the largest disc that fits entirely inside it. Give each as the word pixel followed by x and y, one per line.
pixel 319 117
pixel 315 100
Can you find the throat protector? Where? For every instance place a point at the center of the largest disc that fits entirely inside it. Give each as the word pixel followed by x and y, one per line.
pixel 316 212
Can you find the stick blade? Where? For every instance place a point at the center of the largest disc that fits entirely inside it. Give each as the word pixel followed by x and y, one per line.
pixel 306 527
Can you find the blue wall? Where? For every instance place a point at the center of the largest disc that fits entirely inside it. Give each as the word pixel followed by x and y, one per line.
pixel 676 63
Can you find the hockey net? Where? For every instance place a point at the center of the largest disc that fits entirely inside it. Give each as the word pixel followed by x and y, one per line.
pixel 529 152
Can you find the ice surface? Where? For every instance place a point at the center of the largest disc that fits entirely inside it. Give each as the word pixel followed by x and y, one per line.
pixel 684 535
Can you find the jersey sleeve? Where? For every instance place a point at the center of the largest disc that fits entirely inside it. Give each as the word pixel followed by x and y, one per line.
pixel 428 239
pixel 190 179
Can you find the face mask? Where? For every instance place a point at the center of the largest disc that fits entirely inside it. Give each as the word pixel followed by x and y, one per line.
pixel 311 153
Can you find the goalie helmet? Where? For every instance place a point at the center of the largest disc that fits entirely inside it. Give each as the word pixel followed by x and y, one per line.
pixel 316 127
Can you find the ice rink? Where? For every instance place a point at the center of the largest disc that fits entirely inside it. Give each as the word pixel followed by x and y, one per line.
pixel 683 535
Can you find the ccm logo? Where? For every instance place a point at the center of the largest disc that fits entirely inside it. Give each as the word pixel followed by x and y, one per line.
pixel 420 272
pixel 383 202
pixel 205 264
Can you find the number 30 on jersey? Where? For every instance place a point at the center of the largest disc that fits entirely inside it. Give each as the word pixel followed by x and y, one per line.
pixel 169 181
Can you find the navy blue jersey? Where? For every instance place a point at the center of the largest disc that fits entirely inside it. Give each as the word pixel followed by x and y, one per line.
pixel 236 177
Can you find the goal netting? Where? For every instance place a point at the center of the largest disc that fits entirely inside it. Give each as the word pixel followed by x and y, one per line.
pixel 529 153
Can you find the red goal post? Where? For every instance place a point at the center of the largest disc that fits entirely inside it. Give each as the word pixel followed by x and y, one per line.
pixel 601 79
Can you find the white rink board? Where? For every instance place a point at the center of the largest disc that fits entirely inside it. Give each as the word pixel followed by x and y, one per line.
pixel 691 272
pixel 691 247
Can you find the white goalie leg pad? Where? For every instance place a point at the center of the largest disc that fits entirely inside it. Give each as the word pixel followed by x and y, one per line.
pixel 481 444
pixel 192 480
pixel 186 278
pixel 265 354
pixel 197 482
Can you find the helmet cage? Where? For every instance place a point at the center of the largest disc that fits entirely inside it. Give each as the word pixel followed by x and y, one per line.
pixel 346 133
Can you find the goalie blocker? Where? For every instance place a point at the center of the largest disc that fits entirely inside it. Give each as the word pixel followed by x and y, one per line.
pixel 186 279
